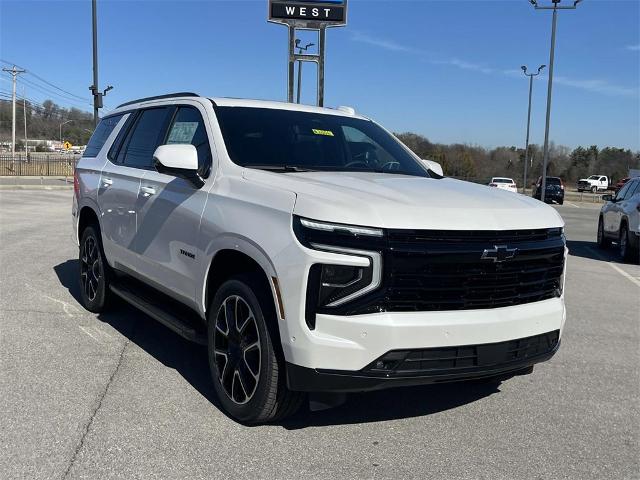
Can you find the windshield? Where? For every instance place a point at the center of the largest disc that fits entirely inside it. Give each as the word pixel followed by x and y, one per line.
pixel 502 180
pixel 594 177
pixel 553 181
pixel 289 141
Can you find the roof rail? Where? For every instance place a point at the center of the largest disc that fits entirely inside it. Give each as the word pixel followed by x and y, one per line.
pixel 158 97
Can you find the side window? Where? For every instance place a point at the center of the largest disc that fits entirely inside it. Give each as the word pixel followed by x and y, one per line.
pixel 622 193
pixel 144 138
pixel 100 135
pixel 188 127
pixel 122 134
pixel 603 179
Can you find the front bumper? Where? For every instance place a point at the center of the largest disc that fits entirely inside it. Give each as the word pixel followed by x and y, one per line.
pixel 491 363
pixel 350 343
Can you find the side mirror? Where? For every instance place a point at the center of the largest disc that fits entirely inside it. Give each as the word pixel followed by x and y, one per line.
pixel 179 160
pixel 434 166
pixel 607 198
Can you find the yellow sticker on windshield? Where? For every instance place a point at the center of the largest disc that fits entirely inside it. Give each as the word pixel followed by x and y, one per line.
pixel 327 133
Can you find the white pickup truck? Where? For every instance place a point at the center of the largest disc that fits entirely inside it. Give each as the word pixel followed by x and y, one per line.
pixel 594 183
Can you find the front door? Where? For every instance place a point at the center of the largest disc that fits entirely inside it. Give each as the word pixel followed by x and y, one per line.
pixel 169 211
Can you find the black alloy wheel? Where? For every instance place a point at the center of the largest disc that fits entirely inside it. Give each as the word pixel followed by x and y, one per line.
pixel 237 349
pixel 94 278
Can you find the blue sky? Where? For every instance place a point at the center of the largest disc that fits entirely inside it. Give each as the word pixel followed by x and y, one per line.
pixel 446 69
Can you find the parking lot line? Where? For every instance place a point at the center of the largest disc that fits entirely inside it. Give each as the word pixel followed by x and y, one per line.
pixel 572 204
pixel 615 267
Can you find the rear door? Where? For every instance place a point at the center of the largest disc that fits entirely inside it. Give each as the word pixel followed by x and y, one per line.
pixel 170 208
pixel 129 161
pixel 613 215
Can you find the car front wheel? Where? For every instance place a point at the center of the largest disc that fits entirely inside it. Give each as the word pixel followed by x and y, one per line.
pixel 627 247
pixel 248 375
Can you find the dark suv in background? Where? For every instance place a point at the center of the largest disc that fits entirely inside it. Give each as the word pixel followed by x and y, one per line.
pixel 554 190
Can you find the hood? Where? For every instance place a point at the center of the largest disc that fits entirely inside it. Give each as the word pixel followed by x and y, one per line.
pixel 401 201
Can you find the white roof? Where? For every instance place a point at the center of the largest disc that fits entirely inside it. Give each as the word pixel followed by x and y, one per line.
pixel 246 102
pixel 241 102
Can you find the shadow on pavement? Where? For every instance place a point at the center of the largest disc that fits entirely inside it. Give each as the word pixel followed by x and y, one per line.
pixel 191 361
pixel 579 248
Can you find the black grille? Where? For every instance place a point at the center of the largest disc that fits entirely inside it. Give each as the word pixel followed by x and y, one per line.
pixel 445 360
pixel 427 270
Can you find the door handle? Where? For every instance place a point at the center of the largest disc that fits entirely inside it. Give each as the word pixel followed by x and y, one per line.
pixel 148 191
pixel 106 182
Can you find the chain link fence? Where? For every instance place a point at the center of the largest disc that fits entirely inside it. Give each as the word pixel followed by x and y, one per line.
pixel 37 164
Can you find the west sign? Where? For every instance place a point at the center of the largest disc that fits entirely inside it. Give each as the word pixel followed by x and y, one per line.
pixel 310 13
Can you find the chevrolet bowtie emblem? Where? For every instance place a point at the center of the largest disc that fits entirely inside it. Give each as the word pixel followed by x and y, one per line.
pixel 499 253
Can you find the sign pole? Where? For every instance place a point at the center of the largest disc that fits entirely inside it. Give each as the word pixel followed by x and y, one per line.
pixel 321 47
pixel 292 62
pixel 314 15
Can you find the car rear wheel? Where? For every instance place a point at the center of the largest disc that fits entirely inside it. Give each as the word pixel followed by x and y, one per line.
pixel 247 370
pixel 94 271
pixel 603 242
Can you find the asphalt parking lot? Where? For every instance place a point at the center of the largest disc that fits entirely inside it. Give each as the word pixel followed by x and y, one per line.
pixel 119 396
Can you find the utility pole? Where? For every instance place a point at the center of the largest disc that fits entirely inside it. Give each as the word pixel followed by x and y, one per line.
pixel 555 7
pixel 14 73
pixel 24 109
pixel 95 90
pixel 526 148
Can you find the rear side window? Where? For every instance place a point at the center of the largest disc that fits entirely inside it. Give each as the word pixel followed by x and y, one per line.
pixel 144 138
pixel 188 127
pixel 100 135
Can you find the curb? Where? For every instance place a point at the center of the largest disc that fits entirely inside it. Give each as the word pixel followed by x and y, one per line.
pixel 36 187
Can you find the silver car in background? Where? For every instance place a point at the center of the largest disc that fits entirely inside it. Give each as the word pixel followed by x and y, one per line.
pixel 620 220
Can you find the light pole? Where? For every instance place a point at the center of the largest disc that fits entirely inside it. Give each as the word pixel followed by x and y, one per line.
pixel 555 7
pixel 95 90
pixel 63 123
pixel 526 148
pixel 300 50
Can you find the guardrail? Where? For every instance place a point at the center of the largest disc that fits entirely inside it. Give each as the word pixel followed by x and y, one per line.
pixel 38 165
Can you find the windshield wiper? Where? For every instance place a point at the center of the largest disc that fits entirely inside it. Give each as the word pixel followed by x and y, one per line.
pixel 280 168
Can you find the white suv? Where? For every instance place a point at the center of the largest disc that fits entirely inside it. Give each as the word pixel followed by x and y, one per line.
pixel 311 251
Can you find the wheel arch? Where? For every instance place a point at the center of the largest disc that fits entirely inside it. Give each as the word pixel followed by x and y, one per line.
pixel 86 216
pixel 230 262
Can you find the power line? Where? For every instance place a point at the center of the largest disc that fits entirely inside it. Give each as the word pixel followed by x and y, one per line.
pixel 30 72
pixel 48 91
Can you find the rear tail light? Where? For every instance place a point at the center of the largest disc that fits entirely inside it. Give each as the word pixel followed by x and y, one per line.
pixel 76 183
pixel 493 184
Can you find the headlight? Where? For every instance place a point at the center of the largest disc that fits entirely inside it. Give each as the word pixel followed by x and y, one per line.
pixel 337 234
pixel 333 284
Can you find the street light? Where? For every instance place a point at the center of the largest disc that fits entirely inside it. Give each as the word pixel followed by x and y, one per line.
pixel 300 50
pixel 555 7
pixel 526 148
pixel 63 123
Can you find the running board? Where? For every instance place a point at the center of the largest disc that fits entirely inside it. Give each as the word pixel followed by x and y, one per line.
pixel 165 316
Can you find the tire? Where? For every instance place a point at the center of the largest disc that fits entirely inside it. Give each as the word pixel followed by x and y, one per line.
pixel 603 241
pixel 627 247
pixel 94 272
pixel 594 189
pixel 560 201
pixel 247 369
